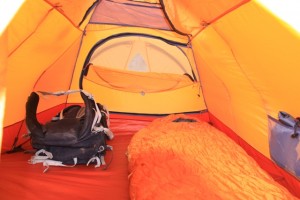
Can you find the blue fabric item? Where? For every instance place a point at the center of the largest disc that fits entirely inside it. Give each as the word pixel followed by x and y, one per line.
pixel 284 143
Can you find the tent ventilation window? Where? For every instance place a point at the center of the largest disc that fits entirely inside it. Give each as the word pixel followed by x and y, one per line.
pixel 138 63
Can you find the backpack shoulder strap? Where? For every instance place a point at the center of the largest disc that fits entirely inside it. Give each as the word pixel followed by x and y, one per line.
pixel 92 111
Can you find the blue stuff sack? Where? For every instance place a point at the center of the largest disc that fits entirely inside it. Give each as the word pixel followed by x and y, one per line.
pixel 284 142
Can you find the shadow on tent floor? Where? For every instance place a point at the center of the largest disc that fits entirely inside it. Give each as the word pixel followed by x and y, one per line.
pixel 20 180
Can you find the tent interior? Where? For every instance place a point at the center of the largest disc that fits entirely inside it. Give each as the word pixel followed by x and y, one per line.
pixel 230 64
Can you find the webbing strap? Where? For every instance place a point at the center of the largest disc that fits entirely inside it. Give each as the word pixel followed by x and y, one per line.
pixel 37 158
pixel 47 163
pixel 109 133
pixel 46 160
pixel 95 158
pixel 106 112
pixel 58 93
pixel 99 161
pixel 97 118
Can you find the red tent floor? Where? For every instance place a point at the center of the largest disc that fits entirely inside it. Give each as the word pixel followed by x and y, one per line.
pixel 20 180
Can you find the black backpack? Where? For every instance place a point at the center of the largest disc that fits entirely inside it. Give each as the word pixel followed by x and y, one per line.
pixel 76 135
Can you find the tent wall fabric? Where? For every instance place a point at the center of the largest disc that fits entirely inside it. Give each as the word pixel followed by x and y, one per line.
pixel 249 67
pixel 233 61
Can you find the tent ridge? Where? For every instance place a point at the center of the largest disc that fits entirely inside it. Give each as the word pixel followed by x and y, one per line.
pixel 170 21
pixel 88 12
pixel 139 4
pixel 28 36
pixel 228 11
pixel 57 8
pixel 204 23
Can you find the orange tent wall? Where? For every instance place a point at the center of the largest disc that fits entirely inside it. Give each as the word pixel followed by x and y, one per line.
pixel 246 57
pixel 47 33
pixel 3 63
pixel 6 17
pixel 194 15
pixel 39 38
pixel 238 52
pixel 2 89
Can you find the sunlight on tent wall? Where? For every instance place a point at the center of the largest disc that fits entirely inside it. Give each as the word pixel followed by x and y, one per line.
pixel 234 79
pixel 7 10
pixel 283 12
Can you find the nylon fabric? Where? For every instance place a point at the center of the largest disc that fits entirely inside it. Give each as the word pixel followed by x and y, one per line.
pixel 137 81
pixel 22 44
pixel 284 143
pixel 194 160
pixel 72 10
pixel 130 13
pixel 193 15
pixel 244 56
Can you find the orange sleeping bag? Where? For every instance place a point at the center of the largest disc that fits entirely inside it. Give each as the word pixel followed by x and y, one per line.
pixel 190 159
